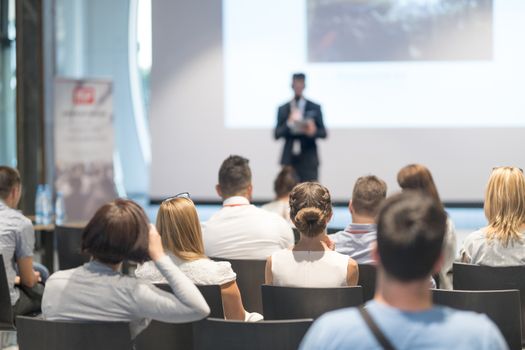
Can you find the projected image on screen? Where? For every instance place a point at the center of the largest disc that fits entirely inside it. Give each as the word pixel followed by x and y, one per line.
pixel 393 30
pixel 377 63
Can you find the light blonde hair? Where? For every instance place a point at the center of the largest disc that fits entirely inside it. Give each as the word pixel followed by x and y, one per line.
pixel 505 204
pixel 180 229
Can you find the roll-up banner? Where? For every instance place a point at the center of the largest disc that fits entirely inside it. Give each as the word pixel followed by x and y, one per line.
pixel 84 141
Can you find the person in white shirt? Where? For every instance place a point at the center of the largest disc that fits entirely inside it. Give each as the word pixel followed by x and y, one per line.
pixel 311 263
pixel 418 177
pixel 358 237
pixel 502 242
pixel 283 185
pixel 180 230
pixel 240 230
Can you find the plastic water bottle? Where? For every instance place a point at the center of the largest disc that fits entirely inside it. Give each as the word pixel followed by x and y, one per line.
pixel 60 212
pixel 47 206
pixel 39 214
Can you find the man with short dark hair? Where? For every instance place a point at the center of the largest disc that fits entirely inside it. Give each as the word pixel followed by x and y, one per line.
pixel 17 240
pixel 358 237
pixel 410 231
pixel 240 230
pixel 300 123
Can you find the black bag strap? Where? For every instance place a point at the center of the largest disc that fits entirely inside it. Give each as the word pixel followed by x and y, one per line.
pixel 380 337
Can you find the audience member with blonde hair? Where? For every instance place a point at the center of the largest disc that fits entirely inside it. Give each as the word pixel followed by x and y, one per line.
pixel 312 261
pixel 180 231
pixel 418 177
pixel 284 183
pixel 501 243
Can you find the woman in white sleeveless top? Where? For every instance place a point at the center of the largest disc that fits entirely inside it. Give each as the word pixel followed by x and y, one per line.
pixel 312 261
pixel 180 230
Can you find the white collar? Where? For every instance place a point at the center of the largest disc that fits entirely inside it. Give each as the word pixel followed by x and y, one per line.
pixel 236 200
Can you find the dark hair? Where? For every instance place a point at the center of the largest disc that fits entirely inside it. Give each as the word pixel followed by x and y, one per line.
pixel 410 230
pixel 368 194
pixel 299 76
pixel 418 177
pixel 284 183
pixel 118 231
pixel 9 178
pixel 310 208
pixel 234 175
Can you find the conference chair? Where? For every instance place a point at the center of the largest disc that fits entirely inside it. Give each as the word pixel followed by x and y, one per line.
pixel 6 310
pixel 38 334
pixel 477 277
pixel 285 303
pixel 250 277
pixel 211 293
pixel 367 280
pixel 219 334
pixel 69 247
pixel 174 336
pixel 501 306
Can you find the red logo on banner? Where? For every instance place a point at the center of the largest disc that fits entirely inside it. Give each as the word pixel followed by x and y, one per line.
pixel 84 95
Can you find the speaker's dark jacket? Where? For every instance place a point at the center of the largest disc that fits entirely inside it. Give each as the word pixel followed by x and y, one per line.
pixel 308 145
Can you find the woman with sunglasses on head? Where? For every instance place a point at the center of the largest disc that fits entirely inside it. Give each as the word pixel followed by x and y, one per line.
pixel 98 291
pixel 502 242
pixel 311 263
pixel 180 231
pixel 418 177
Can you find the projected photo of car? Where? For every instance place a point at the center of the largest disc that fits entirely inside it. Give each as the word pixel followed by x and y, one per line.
pixel 399 30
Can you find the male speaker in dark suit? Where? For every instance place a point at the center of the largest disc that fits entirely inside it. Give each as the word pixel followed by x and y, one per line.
pixel 300 123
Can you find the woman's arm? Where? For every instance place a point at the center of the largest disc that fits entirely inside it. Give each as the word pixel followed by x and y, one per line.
pixel 352 273
pixel 232 301
pixel 186 304
pixel 268 277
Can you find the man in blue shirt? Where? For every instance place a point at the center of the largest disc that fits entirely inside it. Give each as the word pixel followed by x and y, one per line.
pixel 410 231
pixel 358 237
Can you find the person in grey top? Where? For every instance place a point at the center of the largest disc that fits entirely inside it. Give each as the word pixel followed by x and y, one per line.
pixel 502 242
pixel 17 240
pixel 358 238
pixel 98 291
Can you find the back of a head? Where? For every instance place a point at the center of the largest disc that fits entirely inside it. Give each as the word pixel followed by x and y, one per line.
pixel 284 183
pixel 505 204
pixel 410 231
pixel 235 176
pixel 368 194
pixel 179 228
pixel 9 178
pixel 310 208
pixel 417 177
pixel 118 231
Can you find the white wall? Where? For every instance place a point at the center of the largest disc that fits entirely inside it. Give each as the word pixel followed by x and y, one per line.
pixel 189 140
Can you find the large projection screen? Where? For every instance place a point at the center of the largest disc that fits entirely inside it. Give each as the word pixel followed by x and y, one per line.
pixel 447 94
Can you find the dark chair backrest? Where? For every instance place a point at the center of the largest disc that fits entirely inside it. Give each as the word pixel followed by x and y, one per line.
pixel 285 303
pixel 38 334
pixel 6 310
pixel 177 336
pixel 250 277
pixel 69 247
pixel 165 336
pixel 477 277
pixel 367 280
pixel 212 295
pixel 218 334
pixel 501 306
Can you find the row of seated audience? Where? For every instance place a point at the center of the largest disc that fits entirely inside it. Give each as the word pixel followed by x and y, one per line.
pixel 413 240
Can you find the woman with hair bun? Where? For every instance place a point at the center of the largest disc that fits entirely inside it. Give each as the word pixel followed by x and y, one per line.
pixel 312 261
